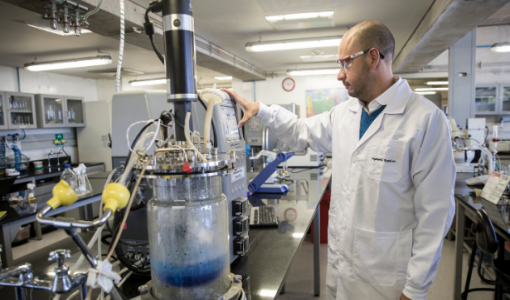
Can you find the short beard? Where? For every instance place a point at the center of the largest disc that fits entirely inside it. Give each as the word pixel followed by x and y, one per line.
pixel 364 86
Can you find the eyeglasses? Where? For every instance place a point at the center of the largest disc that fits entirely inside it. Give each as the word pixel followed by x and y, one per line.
pixel 346 62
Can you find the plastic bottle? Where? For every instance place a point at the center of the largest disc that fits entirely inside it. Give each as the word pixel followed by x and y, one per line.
pixel 32 200
pixel 88 186
pixel 83 187
pixel 69 176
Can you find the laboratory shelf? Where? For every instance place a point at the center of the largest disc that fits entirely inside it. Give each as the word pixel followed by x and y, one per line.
pixel 16 111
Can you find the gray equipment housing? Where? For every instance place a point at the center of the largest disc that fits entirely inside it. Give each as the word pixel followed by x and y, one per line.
pixel 129 107
pixel 233 184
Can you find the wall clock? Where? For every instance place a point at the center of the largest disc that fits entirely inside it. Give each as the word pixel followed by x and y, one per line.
pixel 288 84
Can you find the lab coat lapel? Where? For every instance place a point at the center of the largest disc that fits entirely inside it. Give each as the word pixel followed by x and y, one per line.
pixel 372 129
pixel 395 105
pixel 354 123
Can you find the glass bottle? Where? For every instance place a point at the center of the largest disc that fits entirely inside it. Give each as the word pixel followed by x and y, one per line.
pixel 50 114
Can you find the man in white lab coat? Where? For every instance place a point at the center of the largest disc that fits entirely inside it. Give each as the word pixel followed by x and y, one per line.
pixel 393 173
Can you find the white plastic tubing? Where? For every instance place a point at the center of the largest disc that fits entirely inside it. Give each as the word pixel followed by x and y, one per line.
pixel 134 156
pixel 121 45
pixel 188 138
pixel 207 126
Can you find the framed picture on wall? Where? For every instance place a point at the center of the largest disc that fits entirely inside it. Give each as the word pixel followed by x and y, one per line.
pixel 322 100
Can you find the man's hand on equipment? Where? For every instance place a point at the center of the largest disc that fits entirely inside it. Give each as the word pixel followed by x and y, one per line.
pixel 250 108
pixel 403 297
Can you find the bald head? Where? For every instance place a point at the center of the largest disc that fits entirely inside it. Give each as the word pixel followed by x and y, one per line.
pixel 367 75
pixel 373 34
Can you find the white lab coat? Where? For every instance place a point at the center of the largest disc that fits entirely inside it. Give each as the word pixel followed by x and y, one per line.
pixel 392 192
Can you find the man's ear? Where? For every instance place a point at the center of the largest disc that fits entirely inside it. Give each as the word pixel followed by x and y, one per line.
pixel 374 60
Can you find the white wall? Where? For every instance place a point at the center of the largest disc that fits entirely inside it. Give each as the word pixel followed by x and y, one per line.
pixel 486 36
pixel 270 91
pixel 47 83
pixel 42 153
pixel 106 87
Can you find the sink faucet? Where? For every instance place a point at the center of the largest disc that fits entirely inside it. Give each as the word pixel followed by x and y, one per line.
pixel 21 277
pixel 62 283
pixel 54 153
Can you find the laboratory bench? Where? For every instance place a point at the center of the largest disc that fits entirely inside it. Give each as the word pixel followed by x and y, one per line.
pixel 272 250
pixel 466 206
pixel 32 174
pixel 21 214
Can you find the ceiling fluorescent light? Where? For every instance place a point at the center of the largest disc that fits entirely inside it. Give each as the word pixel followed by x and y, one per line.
pixel 223 77
pixel 501 47
pixel 69 63
pixel 113 71
pixel 315 58
pixel 437 82
pixel 312 72
pixel 293 44
pixel 313 15
pixel 427 93
pixel 431 89
pixel 43 24
pixel 148 82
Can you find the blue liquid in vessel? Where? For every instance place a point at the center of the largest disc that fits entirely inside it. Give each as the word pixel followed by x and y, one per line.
pixel 189 275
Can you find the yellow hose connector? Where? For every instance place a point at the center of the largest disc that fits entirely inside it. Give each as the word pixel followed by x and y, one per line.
pixel 63 194
pixel 115 196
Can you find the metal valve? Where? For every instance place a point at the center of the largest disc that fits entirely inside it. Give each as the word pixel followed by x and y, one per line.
pixel 53 16
pixel 77 22
pixel 65 19
pixel 60 256
pixel 62 283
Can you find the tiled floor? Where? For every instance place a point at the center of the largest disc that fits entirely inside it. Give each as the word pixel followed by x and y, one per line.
pixel 300 278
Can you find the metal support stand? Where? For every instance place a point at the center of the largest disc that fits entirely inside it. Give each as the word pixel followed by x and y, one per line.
pixel 470 271
pixel 83 216
pixel 84 290
pixel 316 252
pixel 20 293
pixel 6 255
pixel 38 231
pixel 82 246
pixel 459 247
pixel 90 212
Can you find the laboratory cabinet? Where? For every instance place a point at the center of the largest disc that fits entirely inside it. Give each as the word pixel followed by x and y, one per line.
pixel 492 99
pixel 3 112
pixel 54 111
pixel 17 110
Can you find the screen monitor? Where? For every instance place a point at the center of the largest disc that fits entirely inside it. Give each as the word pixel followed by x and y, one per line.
pixel 229 120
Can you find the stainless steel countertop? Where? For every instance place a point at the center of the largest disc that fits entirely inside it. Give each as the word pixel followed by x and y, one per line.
pixel 272 250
